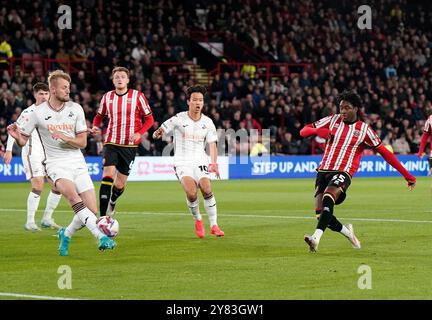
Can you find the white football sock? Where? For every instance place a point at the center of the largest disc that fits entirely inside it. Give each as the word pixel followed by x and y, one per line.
pixel 210 208
pixel 88 218
pixel 317 234
pixel 52 203
pixel 32 206
pixel 345 231
pixel 194 209
pixel 74 226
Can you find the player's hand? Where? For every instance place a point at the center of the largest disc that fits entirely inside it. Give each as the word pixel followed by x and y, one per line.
pixel 411 182
pixel 136 138
pixel 94 131
pixel 323 133
pixel 58 135
pixel 158 133
pixel 421 155
pixel 7 157
pixel 214 167
pixel 14 131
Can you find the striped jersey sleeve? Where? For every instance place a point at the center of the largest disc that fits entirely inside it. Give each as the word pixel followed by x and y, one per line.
pixel 143 105
pixel 323 123
pixel 102 110
pixel 371 138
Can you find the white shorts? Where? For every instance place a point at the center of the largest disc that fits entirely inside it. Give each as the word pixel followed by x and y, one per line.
pixel 195 172
pixel 33 166
pixel 73 170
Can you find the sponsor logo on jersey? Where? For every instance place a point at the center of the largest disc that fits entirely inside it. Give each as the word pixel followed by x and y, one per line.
pixel 63 126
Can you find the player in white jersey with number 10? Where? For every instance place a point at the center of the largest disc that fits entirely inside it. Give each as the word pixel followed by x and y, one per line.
pixel 62 128
pixel 192 130
pixel 32 155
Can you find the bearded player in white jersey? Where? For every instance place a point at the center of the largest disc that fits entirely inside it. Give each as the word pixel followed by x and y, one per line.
pixel 32 156
pixel 62 128
pixel 192 130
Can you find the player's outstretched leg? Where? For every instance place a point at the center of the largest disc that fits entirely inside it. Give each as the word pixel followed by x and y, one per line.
pixel 115 194
pixel 352 237
pixel 210 207
pixel 324 220
pixel 346 230
pixel 105 194
pixel 47 220
pixel 33 200
pixel 194 210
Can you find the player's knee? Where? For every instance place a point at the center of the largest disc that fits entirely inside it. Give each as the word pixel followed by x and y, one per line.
pixel 37 185
pixel 37 191
pixel 207 194
pixel 120 185
pixel 191 195
pixel 329 196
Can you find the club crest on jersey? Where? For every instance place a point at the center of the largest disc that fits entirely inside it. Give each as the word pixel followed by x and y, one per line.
pixel 356 133
pixel 129 100
pixel 336 125
pixel 71 114
pixel 204 126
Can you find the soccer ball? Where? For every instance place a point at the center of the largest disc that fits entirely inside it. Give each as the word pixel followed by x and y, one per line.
pixel 108 226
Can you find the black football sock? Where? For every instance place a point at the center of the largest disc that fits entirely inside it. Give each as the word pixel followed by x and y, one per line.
pixel 326 213
pixel 116 193
pixel 105 194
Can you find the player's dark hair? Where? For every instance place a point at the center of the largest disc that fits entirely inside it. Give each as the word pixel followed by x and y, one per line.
pixel 352 97
pixel 198 88
pixel 40 86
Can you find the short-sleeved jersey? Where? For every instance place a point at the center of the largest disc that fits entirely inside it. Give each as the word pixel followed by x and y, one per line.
pixel 45 120
pixel 346 143
pixel 33 147
pixel 190 138
pixel 125 113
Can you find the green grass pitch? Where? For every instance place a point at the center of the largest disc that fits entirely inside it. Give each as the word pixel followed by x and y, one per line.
pixel 262 256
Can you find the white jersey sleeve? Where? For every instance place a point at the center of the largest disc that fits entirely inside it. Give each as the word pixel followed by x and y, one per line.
pixel 211 135
pixel 10 143
pixel 170 124
pixel 27 122
pixel 81 125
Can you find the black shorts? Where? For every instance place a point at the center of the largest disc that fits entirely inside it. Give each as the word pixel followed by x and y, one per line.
pixel 120 157
pixel 336 179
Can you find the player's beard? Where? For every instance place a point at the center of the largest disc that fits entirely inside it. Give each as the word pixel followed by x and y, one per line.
pixel 63 99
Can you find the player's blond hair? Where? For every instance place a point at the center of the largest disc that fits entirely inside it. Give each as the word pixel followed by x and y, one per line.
pixel 119 69
pixel 53 76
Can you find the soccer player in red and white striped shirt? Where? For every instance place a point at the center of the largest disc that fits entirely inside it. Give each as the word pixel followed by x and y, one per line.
pixel 125 109
pixel 347 136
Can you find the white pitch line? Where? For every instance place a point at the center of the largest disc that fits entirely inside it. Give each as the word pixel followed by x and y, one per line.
pixel 253 216
pixel 17 295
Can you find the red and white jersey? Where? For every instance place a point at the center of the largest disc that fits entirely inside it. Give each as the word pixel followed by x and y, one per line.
pixel 428 125
pixel 346 143
pixel 125 113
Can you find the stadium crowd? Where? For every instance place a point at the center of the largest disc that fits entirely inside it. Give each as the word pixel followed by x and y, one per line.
pixel 390 66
